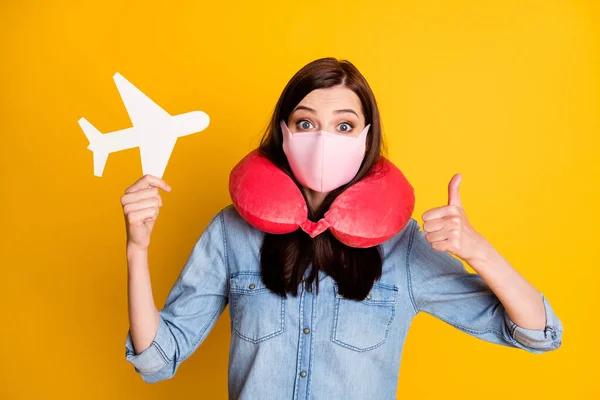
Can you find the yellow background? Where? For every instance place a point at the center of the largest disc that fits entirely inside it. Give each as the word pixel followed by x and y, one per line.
pixel 505 92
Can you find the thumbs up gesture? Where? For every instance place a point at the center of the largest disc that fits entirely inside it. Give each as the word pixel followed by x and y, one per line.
pixel 448 229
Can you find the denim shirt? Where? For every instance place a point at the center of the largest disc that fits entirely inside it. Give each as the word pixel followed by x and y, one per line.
pixel 321 346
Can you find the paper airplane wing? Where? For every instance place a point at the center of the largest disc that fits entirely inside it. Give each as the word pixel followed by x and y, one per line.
pixel 155 155
pixel 142 111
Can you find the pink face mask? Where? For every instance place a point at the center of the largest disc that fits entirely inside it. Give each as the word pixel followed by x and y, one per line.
pixel 321 160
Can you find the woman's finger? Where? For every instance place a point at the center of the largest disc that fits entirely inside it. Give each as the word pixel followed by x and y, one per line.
pixel 139 216
pixel 138 205
pixel 151 192
pixel 446 233
pixel 447 222
pixel 146 181
pixel 441 212
pixel 433 225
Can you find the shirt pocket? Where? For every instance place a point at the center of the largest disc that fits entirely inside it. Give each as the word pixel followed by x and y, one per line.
pixel 257 313
pixel 364 325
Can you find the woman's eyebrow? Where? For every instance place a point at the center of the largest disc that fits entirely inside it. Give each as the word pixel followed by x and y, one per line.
pixel 345 110
pixel 304 108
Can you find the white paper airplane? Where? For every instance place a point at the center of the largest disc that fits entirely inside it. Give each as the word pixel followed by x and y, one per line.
pixel 154 131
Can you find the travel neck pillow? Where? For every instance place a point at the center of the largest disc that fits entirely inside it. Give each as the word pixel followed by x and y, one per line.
pixel 366 214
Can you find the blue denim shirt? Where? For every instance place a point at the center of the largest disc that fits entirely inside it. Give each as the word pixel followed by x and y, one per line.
pixel 321 346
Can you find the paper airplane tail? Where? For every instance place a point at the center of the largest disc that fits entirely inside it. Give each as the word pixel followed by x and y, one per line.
pixel 94 136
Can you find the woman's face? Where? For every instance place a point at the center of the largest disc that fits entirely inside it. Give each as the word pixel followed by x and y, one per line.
pixel 336 109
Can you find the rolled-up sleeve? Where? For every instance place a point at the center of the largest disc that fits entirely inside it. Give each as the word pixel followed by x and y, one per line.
pixel 537 340
pixel 441 286
pixel 195 302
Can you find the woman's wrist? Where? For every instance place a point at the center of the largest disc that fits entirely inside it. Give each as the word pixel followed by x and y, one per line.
pixel 134 251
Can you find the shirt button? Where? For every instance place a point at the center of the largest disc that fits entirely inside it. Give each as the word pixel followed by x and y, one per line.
pixel 369 296
pixel 306 330
pixel 309 288
pixel 252 286
pixel 303 374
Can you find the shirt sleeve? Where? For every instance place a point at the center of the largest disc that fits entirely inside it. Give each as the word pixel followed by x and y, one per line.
pixel 194 304
pixel 441 286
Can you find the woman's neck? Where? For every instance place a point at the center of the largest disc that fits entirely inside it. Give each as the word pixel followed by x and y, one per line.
pixel 315 199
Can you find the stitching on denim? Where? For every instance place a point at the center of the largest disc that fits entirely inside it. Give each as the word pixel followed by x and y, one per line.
pixel 469 330
pixel 408 275
pixel 303 338
pixel 216 313
pixel 282 315
pixel 371 302
pixel 262 338
pixel 190 262
pixel 335 313
pixel 337 341
pixel 190 265
pixel 249 292
pixel 479 332
pixel 147 371
pixel 235 289
pixel 161 352
pixel 533 344
pixel 554 343
pixel 385 285
pixel 358 349
pixel 299 355
pixel 544 301
pixel 314 300
pixel 198 338
pixel 224 239
pixel 241 273
pixel 193 260
pixel 512 329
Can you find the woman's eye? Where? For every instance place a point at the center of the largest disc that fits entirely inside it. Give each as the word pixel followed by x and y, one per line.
pixel 345 127
pixel 304 124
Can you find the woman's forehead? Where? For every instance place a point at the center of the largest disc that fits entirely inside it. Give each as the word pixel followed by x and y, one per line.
pixel 331 99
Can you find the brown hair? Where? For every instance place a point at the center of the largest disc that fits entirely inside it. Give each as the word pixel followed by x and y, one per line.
pixel 285 258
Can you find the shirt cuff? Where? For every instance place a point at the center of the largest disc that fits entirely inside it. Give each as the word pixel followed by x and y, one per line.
pixel 538 340
pixel 152 362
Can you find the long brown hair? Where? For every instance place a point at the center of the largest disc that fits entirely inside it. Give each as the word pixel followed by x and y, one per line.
pixel 285 258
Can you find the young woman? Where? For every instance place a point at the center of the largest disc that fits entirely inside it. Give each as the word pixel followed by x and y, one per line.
pixel 312 317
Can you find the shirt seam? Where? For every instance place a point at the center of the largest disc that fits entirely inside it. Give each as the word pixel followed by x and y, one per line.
pixel 225 255
pixel 216 313
pixel 162 353
pixel 211 321
pixel 314 300
pixel 479 332
pixel 408 275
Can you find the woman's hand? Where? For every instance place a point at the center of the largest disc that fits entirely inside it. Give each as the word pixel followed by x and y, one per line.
pixel 448 228
pixel 141 203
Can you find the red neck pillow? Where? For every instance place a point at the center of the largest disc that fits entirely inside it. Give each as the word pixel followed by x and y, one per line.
pixel 366 214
